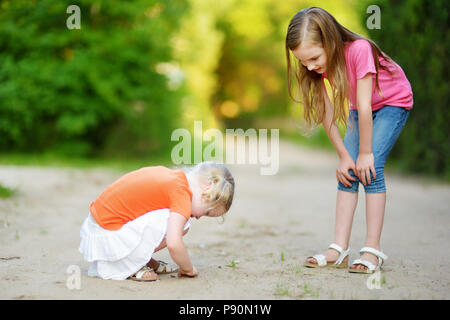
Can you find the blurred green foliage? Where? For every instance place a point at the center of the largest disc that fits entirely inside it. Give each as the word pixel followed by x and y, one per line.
pixel 138 69
pixel 415 34
pixel 6 192
pixel 96 90
pixel 252 69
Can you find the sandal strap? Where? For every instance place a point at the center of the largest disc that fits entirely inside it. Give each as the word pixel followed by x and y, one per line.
pixel 342 253
pixel 320 258
pixel 141 272
pixel 380 255
pixel 366 263
pixel 164 267
pixel 336 247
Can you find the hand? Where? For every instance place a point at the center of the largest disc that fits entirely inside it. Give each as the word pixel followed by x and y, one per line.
pixel 365 165
pixel 191 273
pixel 342 174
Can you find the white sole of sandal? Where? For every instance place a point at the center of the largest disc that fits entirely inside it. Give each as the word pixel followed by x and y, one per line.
pixel 329 265
pixel 370 267
pixel 365 271
pixel 322 263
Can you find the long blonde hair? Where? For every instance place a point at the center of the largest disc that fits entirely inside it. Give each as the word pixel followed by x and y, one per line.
pixel 322 29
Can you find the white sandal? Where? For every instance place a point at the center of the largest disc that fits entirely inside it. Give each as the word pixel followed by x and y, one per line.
pixel 138 276
pixel 323 263
pixel 165 268
pixel 371 268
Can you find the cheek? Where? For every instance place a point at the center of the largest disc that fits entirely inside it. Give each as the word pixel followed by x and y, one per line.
pixel 197 206
pixel 194 207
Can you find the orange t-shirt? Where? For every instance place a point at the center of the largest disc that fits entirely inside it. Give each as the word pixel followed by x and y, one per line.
pixel 142 191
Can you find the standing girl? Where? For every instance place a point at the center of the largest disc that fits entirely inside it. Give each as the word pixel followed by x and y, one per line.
pixel 380 97
pixel 146 210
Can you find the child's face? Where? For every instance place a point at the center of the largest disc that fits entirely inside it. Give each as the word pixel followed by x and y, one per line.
pixel 204 210
pixel 200 208
pixel 312 56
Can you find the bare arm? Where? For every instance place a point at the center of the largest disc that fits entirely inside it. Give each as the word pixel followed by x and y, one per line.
pixel 365 161
pixel 330 127
pixel 175 244
pixel 363 100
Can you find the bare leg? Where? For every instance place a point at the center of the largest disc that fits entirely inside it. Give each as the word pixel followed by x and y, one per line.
pixel 375 208
pixel 345 209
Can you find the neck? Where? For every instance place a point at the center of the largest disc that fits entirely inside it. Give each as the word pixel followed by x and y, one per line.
pixel 192 181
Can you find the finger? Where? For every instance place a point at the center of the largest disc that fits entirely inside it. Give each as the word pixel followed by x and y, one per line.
pixel 344 181
pixel 348 176
pixel 367 173
pixel 356 172
pixel 185 275
pixel 374 173
pixel 338 177
pixel 362 177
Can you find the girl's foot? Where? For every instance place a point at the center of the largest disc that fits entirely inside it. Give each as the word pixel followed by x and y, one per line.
pixel 367 257
pixel 331 255
pixel 145 274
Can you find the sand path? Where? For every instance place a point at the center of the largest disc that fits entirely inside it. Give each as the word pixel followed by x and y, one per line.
pixel 275 222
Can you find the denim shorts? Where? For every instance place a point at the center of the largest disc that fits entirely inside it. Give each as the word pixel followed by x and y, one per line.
pixel 388 122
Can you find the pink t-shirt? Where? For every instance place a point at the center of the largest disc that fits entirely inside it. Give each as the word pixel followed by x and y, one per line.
pixel 396 89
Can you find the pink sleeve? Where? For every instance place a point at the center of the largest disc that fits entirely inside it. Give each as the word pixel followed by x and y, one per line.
pixel 363 59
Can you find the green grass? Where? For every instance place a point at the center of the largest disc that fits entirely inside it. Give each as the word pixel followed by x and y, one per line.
pixel 282 289
pixel 6 192
pixel 233 264
pixel 310 291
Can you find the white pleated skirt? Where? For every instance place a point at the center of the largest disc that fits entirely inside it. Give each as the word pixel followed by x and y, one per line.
pixel 121 253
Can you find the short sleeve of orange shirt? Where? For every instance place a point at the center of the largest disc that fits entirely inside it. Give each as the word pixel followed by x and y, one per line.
pixel 142 191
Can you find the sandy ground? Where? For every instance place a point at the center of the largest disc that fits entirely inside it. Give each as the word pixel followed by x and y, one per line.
pixel 275 222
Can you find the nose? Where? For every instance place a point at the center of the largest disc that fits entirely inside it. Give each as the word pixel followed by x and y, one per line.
pixel 311 67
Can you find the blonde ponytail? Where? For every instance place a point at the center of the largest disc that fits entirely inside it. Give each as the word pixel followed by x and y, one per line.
pixel 221 189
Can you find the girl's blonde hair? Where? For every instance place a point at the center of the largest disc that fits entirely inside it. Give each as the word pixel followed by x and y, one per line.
pixel 221 190
pixel 317 26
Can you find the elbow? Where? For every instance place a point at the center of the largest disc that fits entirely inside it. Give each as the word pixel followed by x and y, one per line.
pixel 364 107
pixel 327 125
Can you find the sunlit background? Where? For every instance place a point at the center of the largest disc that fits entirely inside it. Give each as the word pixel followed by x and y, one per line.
pixel 137 70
